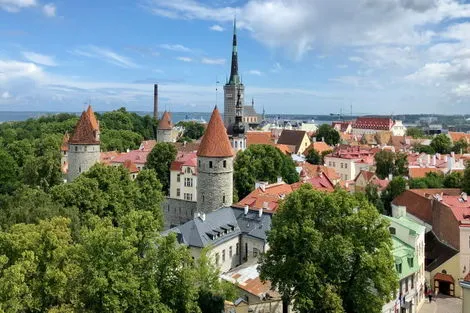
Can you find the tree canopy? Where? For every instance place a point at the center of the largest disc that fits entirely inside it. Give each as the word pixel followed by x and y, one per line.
pixel 328 134
pixel 396 186
pixel 441 144
pixel 330 253
pixel 262 163
pixel 159 160
pixel 313 157
pixel 192 130
pixel 415 132
pixel 388 162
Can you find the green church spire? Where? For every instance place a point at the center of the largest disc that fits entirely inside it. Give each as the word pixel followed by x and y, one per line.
pixel 234 78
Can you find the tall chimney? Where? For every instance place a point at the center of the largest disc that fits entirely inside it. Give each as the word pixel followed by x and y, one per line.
pixel 155 101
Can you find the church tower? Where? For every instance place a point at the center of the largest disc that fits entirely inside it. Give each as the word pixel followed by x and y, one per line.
pixel 215 167
pixel 238 138
pixel 84 145
pixel 233 87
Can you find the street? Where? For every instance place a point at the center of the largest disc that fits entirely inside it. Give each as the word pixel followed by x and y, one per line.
pixel 443 304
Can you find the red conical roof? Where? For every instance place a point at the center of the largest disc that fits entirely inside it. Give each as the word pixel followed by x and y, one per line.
pixel 87 129
pixel 215 141
pixel 165 122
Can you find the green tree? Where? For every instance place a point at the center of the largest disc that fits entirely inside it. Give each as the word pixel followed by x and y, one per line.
pixel 401 164
pixel 261 163
pixel 441 144
pixel 466 179
pixel 313 157
pixel 396 187
pixel 159 159
pixel 460 146
pixel 423 149
pixel 192 130
pixel 37 272
pixel 385 163
pixel 8 173
pixel 453 180
pixel 324 255
pixel 120 140
pixel 328 134
pixel 43 171
pixel 373 196
pixel 415 132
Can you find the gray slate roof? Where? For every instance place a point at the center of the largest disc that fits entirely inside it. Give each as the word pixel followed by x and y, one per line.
pixel 249 110
pixel 220 226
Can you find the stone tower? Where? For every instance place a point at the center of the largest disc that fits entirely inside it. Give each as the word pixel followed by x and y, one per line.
pixel 215 167
pixel 165 129
pixel 233 87
pixel 238 137
pixel 84 145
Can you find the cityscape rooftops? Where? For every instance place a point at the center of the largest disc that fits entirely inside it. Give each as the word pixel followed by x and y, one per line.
pixel 136 156
pixel 375 123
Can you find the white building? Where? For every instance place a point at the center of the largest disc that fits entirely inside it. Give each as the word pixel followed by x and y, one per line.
pixel 349 162
pixel 183 177
pixel 371 125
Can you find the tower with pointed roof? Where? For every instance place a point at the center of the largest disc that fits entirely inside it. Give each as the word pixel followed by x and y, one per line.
pixel 215 167
pixel 233 87
pixel 84 145
pixel 165 129
pixel 238 136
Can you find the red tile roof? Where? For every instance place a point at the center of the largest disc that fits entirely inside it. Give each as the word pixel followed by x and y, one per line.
pixel 165 122
pixel 444 277
pixel 130 166
pixel 147 145
pixel 467 277
pixel 87 129
pixel 108 157
pixel 341 126
pixel 65 142
pixel 376 123
pixel 284 148
pixel 456 136
pixel 136 156
pixel 420 172
pixel 313 170
pixel 319 146
pixel 215 141
pixel 259 138
pixel 185 159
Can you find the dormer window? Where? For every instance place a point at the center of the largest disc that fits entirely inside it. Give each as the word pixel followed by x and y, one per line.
pixel 392 230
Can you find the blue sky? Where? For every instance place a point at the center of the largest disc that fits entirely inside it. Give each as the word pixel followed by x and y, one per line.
pixel 296 56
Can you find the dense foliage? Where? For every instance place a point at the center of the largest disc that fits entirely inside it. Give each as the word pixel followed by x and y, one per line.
pixel 441 144
pixel 388 162
pixel 262 163
pixel 328 134
pixel 396 186
pixel 159 160
pixel 313 157
pixel 415 132
pixel 192 130
pixel 330 253
pixel 94 245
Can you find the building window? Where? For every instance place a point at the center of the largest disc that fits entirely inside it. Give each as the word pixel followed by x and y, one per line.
pixel 412 281
pixel 79 169
pixel 223 255
pixel 203 198
pixel 410 262
pixel 178 192
pixel 236 144
pixel 392 230
pixel 210 164
pixel 217 257
pixel 178 178
pixel 406 284
pixel 223 198
pixel 225 163
pixel 188 182
pixel 76 148
pixel 341 165
pixel 345 165
pixel 255 252
pixel 199 163
pixel 398 266
pixel 188 196
pixel 236 249
pixel 188 170
pixel 230 253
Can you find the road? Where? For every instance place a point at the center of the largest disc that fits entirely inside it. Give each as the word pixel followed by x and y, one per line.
pixel 442 304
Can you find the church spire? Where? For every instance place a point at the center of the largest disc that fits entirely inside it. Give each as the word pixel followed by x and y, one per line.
pixel 234 78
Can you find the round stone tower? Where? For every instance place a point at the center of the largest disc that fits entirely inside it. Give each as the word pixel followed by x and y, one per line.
pixel 84 145
pixel 215 167
pixel 165 129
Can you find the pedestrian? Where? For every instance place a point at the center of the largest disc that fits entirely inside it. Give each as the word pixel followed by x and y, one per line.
pixel 430 295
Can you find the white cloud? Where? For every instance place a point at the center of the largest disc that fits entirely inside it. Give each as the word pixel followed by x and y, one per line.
pixel 6 95
pixel 217 28
pixel 255 72
pixel 213 61
pixel 49 9
pixel 105 55
pixel 39 58
pixel 184 59
pixel 175 47
pixel 10 69
pixel 16 5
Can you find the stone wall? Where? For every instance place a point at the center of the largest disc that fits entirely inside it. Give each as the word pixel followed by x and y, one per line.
pixel 81 158
pixel 177 211
pixel 214 183
pixel 165 135
pixel 230 101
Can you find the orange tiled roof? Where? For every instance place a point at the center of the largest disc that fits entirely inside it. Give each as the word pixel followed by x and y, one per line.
pixel 130 166
pixel 215 141
pixel 444 277
pixel 108 157
pixel 419 172
pixel 456 136
pixel 87 129
pixel 319 146
pixel 165 122
pixel 258 138
pixel 65 143
pixel 284 148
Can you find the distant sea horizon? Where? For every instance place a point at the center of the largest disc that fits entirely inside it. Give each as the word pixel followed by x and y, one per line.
pixel 16 116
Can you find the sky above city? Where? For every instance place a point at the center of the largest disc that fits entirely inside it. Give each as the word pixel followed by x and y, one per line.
pixel 295 56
